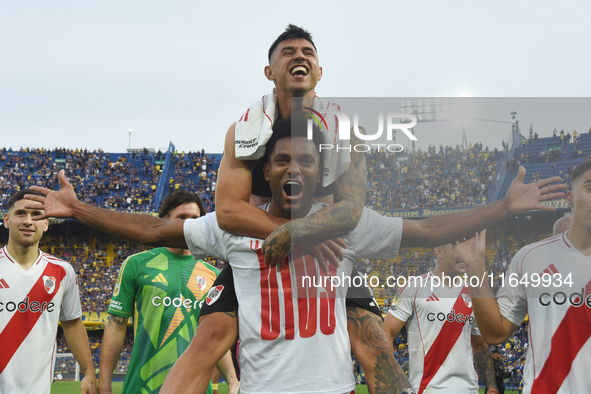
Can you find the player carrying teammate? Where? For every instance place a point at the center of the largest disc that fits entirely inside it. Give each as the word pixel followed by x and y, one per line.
pixel 551 281
pixel 37 290
pixel 444 343
pixel 437 230
pixel 162 288
pixel 294 70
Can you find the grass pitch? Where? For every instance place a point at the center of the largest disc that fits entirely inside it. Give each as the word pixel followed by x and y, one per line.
pixel 74 388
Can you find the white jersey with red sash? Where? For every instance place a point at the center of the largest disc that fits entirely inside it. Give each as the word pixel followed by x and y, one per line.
pixel 293 325
pixel 551 280
pixel 31 304
pixel 439 323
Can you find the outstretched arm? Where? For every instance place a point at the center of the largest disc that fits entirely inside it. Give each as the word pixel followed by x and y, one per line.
pixel 484 364
pixel 443 229
pixel 375 353
pixel 77 340
pixel 138 228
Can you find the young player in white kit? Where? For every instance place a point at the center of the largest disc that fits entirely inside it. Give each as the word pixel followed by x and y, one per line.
pixel 444 343
pixel 551 281
pixel 37 290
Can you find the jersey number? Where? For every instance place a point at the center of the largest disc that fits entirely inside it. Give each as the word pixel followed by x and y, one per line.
pixel 306 297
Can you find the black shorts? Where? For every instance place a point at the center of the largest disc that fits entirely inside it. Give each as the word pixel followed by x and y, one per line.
pixel 260 187
pixel 222 297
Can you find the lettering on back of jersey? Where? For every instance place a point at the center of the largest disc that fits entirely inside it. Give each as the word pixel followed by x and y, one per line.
pixel 49 283
pixel 213 294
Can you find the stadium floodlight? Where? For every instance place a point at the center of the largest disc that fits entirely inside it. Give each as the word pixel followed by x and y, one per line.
pixel 428 109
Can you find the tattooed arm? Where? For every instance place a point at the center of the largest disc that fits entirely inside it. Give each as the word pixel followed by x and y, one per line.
pixel 375 353
pixel 113 339
pixel 77 340
pixel 328 223
pixel 216 334
pixel 484 364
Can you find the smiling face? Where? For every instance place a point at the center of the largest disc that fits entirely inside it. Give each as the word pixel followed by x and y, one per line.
pixel 294 68
pixel 293 174
pixel 448 261
pixel 22 229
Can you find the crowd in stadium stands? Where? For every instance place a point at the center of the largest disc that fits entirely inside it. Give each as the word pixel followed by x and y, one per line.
pixel 196 171
pixel 436 178
pixel 98 178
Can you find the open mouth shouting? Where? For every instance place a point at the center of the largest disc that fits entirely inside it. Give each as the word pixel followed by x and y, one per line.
pixel 299 70
pixel 293 190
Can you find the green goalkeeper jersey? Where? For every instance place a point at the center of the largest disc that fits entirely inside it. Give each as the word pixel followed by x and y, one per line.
pixel 163 291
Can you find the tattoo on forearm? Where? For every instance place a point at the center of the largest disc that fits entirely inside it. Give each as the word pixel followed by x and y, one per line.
pixel 121 321
pixel 485 367
pixel 389 376
pixel 232 314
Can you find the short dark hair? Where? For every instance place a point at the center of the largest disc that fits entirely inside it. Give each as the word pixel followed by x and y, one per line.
pixel 291 32
pixel 580 169
pixel 20 195
pixel 291 128
pixel 178 198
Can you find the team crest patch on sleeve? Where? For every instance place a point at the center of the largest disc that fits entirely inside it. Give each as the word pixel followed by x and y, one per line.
pixel 49 283
pixel 116 290
pixel 213 294
pixel 201 282
pixel 467 300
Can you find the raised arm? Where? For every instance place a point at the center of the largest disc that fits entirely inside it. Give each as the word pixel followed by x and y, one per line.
pixel 138 228
pixel 77 340
pixel 484 364
pixel 494 327
pixel 234 211
pixel 443 229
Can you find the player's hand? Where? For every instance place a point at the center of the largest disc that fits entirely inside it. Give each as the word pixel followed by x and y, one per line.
pixel 523 198
pixel 327 252
pixel 234 387
pixel 57 204
pixel 471 251
pixel 88 384
pixel 278 244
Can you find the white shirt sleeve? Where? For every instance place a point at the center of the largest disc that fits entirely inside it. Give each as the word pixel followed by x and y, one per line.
pixel 402 306
pixel 475 329
pixel 512 300
pixel 70 308
pixel 376 236
pixel 205 238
